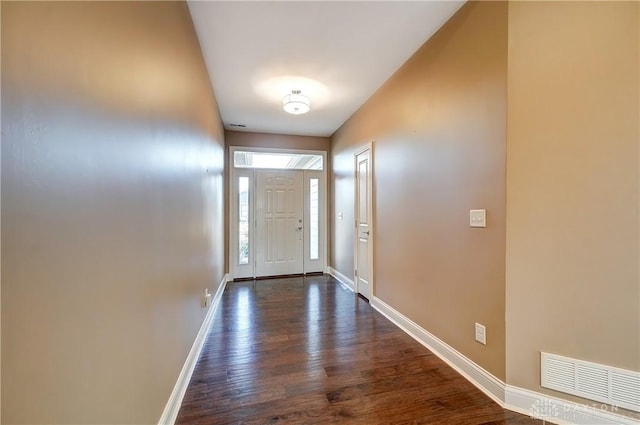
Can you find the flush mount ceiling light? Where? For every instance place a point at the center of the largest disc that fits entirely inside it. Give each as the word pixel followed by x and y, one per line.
pixel 296 103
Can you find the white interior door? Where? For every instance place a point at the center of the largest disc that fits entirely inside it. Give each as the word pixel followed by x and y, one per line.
pixel 279 222
pixel 363 214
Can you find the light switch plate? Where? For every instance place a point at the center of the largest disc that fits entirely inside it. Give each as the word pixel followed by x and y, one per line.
pixel 481 334
pixel 477 218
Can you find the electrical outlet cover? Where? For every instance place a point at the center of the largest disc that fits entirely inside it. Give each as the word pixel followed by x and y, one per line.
pixel 481 334
pixel 477 218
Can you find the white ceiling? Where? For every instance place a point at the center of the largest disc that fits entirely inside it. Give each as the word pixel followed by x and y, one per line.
pixel 336 53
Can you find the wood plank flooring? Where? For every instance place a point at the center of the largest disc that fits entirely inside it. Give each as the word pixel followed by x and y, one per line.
pixel 304 350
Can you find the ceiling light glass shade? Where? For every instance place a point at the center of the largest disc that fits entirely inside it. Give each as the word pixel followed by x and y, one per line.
pixel 296 103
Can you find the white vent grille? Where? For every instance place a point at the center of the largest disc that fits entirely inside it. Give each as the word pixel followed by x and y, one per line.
pixel 618 387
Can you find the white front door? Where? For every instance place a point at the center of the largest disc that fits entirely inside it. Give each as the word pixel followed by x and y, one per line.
pixel 279 222
pixel 363 223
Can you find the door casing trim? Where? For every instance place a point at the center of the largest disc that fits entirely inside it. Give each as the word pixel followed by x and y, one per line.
pixel 232 242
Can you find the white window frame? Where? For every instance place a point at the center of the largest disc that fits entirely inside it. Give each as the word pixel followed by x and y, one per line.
pixel 242 271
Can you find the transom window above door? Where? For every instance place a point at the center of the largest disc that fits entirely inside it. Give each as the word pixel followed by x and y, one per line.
pixel 276 160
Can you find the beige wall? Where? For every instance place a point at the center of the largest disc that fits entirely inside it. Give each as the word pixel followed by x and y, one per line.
pixel 280 141
pixel 439 126
pixel 573 283
pixel 112 207
pixel 274 141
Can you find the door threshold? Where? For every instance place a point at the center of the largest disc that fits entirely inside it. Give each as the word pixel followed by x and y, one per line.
pixel 363 297
pixel 278 276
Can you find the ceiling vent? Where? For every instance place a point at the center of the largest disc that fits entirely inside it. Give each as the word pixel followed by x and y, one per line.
pixel 611 385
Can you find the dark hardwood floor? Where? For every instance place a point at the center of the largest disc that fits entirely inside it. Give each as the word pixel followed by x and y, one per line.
pixel 307 351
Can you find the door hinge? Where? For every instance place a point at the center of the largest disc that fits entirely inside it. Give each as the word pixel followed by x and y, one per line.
pixel 355 272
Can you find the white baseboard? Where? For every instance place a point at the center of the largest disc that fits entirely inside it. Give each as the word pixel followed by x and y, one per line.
pixel 530 403
pixel 172 407
pixel 342 279
pixel 562 412
pixel 486 382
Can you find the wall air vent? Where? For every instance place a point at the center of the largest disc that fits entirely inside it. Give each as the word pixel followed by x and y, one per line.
pixel 606 384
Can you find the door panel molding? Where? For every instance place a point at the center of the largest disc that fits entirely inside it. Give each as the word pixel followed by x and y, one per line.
pixel 279 225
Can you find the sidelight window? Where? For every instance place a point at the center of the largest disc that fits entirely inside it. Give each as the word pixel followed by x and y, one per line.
pixel 314 218
pixel 243 220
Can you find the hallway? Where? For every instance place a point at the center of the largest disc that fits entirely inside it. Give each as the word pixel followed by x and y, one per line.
pixel 498 221
pixel 308 351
